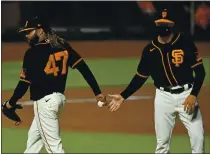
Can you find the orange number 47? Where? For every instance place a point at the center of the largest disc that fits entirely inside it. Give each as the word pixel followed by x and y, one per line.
pixel 51 67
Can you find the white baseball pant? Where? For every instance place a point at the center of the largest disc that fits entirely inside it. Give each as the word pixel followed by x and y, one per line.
pixel 44 130
pixel 167 107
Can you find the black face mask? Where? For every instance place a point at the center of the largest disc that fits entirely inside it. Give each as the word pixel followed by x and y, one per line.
pixel 164 30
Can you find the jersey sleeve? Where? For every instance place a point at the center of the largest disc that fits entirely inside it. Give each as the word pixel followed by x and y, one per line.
pixel 195 57
pixel 25 74
pixel 143 69
pixel 74 57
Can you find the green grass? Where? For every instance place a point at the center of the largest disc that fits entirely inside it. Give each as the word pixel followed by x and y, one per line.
pixel 108 72
pixel 14 141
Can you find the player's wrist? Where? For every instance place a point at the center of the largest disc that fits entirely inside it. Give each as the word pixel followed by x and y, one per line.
pixel 194 94
pixel 101 97
pixel 8 105
pixel 123 97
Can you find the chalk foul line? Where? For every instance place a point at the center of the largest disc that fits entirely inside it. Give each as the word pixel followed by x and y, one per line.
pixel 92 100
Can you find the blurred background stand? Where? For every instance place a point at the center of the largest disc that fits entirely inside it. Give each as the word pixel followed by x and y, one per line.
pixel 106 20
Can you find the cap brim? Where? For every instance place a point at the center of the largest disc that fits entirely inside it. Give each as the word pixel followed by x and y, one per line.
pixel 159 21
pixel 25 29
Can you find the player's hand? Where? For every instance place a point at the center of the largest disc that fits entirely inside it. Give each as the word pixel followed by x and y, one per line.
pixel 10 112
pixel 116 102
pixel 189 104
pixel 102 98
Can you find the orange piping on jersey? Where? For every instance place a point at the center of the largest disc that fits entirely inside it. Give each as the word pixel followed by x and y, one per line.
pixel 143 76
pixel 25 81
pixel 171 69
pixel 196 64
pixel 22 74
pixel 76 62
pixel 22 30
pixel 163 63
pixel 176 39
pixel 41 127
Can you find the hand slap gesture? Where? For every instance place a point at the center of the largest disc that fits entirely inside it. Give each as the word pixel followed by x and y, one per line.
pixel 117 100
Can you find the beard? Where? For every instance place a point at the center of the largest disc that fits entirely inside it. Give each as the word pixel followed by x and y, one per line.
pixel 33 40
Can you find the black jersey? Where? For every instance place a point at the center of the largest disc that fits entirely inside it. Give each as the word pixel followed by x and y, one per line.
pixel 170 64
pixel 46 68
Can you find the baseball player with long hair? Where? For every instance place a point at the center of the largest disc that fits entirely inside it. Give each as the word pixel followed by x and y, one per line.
pixel 45 70
pixel 170 59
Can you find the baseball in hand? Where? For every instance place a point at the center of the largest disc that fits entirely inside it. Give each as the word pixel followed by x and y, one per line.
pixel 100 104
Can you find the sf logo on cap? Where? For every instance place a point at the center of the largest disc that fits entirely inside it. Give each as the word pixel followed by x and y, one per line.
pixel 164 14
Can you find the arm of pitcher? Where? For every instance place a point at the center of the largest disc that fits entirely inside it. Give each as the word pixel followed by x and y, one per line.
pixel 25 79
pixel 19 92
pixel 83 68
pixel 76 62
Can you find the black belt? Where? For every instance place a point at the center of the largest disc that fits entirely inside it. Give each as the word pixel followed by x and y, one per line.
pixel 175 91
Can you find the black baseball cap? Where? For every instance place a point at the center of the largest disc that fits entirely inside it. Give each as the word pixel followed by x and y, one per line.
pixel 34 23
pixel 165 18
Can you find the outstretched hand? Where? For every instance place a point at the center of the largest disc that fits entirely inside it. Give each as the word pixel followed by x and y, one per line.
pixel 116 102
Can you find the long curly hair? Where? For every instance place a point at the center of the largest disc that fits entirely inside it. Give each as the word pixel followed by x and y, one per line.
pixel 55 40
